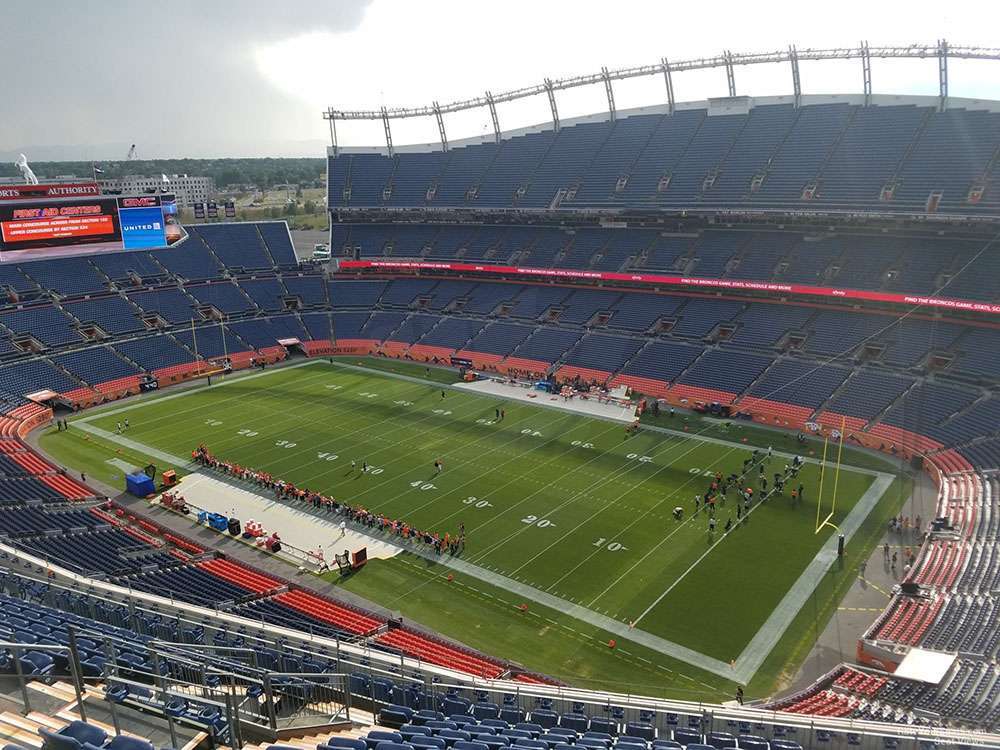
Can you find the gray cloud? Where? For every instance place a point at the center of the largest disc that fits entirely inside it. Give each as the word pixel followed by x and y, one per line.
pixel 176 78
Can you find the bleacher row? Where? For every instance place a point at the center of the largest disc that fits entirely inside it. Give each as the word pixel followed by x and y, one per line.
pixel 903 260
pixel 463 724
pixel 968 696
pixel 832 156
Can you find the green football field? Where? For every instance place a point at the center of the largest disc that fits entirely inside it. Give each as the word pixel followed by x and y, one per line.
pixel 565 504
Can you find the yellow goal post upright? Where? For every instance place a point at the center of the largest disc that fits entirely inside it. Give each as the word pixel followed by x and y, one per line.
pixel 820 525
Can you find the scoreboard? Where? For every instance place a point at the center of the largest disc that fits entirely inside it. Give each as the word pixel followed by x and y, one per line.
pixel 50 227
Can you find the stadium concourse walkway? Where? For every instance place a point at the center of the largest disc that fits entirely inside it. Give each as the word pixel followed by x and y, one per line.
pixel 868 596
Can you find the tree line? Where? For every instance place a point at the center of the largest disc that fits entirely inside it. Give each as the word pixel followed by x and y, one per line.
pixel 262 173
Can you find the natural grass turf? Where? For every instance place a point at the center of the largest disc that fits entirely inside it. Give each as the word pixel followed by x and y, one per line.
pixel 584 494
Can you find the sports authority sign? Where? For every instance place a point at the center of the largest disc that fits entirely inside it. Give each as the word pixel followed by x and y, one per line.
pixel 50 190
pixel 682 281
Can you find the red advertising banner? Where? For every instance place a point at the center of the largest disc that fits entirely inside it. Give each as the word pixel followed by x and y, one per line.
pixel 684 281
pixel 56 228
pixel 49 190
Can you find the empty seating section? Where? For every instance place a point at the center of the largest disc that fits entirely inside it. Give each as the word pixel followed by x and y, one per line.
pixel 912 339
pixel 30 377
pixel 616 158
pixel 447 293
pixel 414 327
pixel 224 296
pixel 236 245
pixel 356 293
pixel 600 352
pixel 867 393
pixel 381 325
pixel 500 338
pixel 153 353
pixel 580 307
pixel 310 290
pixel 799 382
pixel 486 298
pixel 981 419
pixel 768 157
pixel 346 325
pixel 20 522
pixel 869 153
pixel 699 317
pixel 267 294
pixel 437 652
pixel 287 327
pixel 535 300
pixel 257 333
pixel 726 372
pixel 191 260
pixel 836 333
pixel 122 268
pixel 764 131
pixel 99 364
pixel 661 362
pixel 19 490
pixel 928 404
pixel 66 276
pixel 109 551
pixel 170 303
pixel 410 182
pixel 977 349
pixel 403 292
pixel 565 162
pixel 641 312
pixel 279 243
pixel 453 333
pixel 547 344
pixel 510 172
pixel 763 325
pixel 190 584
pixel 113 314
pixel 11 279
pixel 210 341
pixel 47 324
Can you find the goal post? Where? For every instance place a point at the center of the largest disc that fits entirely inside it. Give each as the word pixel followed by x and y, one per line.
pixel 839 437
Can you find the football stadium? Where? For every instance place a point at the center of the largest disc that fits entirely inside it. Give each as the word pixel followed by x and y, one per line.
pixel 654 429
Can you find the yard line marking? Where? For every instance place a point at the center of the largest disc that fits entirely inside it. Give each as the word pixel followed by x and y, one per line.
pixel 497 488
pixel 695 564
pixel 98 412
pixel 472 460
pixel 639 484
pixel 589 557
pixel 291 417
pixel 667 446
pixel 141 428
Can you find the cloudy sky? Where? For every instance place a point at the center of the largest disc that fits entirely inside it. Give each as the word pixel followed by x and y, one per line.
pixel 251 77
